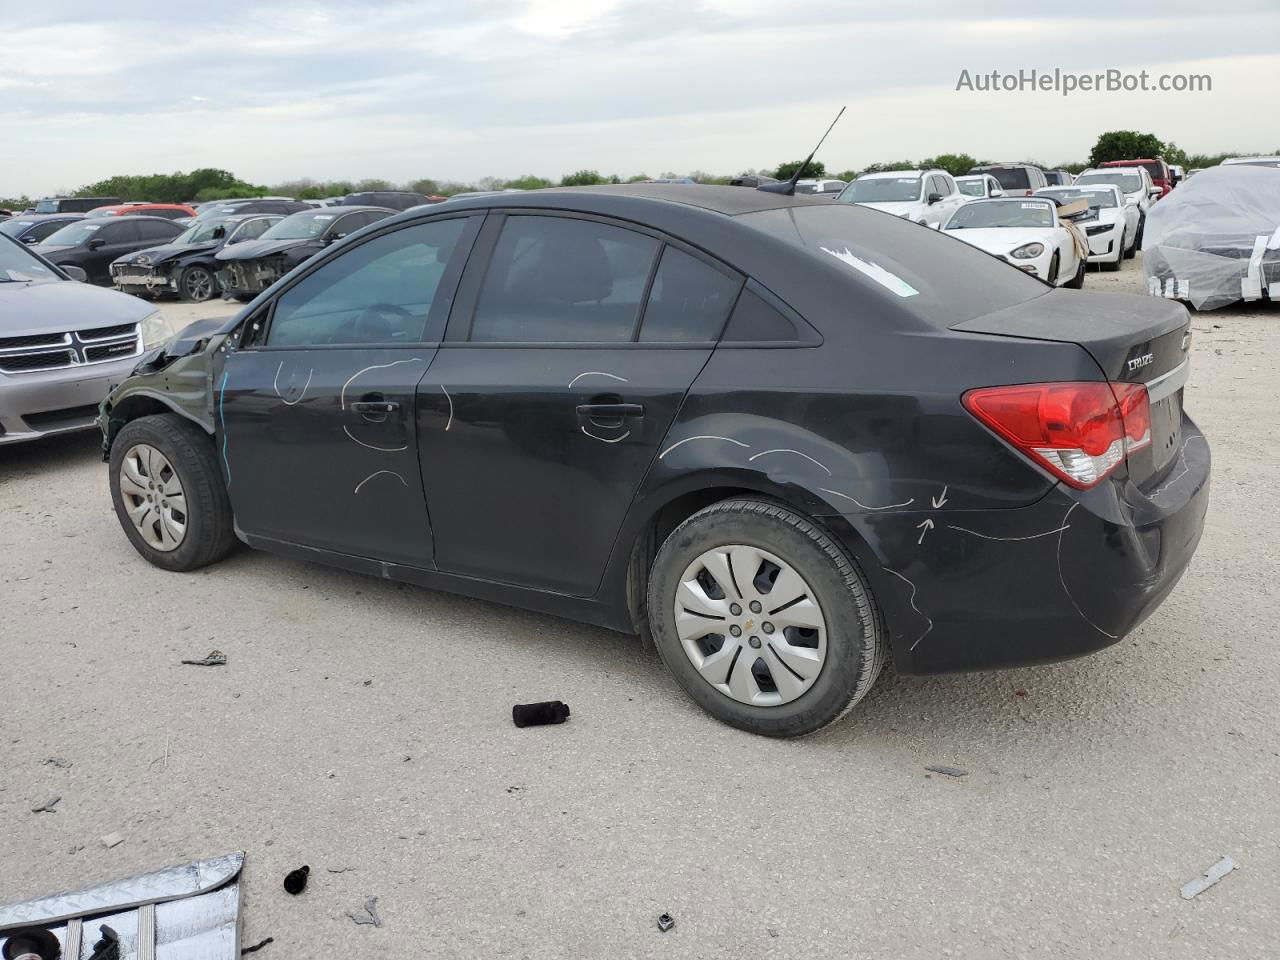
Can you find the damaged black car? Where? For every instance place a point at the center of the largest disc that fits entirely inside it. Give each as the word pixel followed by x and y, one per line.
pixel 187 265
pixel 247 269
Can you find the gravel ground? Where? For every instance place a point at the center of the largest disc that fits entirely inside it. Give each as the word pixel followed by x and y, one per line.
pixel 364 727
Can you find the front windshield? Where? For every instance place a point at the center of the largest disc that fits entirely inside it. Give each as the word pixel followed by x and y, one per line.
pixel 1002 213
pixel 46 206
pixel 1127 182
pixel 15 226
pixel 1098 199
pixel 300 226
pixel 971 188
pixel 18 265
pixel 206 232
pixel 73 234
pixel 882 190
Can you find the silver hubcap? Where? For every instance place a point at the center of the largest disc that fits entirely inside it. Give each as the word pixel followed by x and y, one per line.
pixel 153 497
pixel 750 625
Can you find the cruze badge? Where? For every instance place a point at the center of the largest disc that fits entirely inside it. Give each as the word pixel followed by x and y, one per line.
pixel 1137 363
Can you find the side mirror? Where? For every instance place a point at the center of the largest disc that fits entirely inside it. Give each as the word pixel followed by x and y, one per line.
pixel 333 237
pixel 1154 192
pixel 75 273
pixel 997 192
pixel 934 198
pixel 219 232
pixel 96 243
pixel 30 240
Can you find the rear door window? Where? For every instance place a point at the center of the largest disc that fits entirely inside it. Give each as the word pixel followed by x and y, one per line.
pixel 563 280
pixel 689 301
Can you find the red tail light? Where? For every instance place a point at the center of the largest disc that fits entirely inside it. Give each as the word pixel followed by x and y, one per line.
pixel 1079 432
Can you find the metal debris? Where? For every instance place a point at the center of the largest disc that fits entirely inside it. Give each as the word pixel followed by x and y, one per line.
pixel 948 771
pixel 1207 879
pixel 47 806
pixel 257 946
pixel 112 840
pixel 666 922
pixel 216 658
pixel 371 911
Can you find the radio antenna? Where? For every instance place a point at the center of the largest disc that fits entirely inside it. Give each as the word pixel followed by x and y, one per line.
pixel 789 188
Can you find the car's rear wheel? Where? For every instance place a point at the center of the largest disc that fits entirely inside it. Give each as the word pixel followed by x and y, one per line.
pixel 763 619
pixel 169 494
pixel 1132 251
pixel 1142 229
pixel 196 285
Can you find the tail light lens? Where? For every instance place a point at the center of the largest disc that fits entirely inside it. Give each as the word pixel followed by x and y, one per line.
pixel 1079 432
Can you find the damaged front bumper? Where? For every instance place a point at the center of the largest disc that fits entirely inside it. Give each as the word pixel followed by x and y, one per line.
pixel 245 277
pixel 130 278
pixel 188 912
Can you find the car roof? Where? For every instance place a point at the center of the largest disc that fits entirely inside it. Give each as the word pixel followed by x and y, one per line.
pixel 342 210
pixel 884 174
pixel 729 201
pixel 143 216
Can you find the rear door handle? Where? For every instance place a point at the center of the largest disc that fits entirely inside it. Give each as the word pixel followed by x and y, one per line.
pixel 375 411
pixel 610 410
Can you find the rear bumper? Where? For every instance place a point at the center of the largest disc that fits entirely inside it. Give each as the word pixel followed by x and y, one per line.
pixel 1069 575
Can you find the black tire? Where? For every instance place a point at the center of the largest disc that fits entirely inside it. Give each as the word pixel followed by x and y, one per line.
pixel 1113 267
pixel 856 644
pixel 1052 279
pixel 1132 251
pixel 1076 282
pixel 1142 229
pixel 197 285
pixel 210 533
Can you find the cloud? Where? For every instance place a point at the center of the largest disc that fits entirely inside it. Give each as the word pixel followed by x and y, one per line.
pixel 403 90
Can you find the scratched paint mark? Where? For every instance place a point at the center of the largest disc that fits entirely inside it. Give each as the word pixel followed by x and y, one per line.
pixel 598 373
pixel 678 443
pixel 378 473
pixel 275 384
pixel 912 601
pixel 889 506
pixel 940 499
pixel 1063 580
pixel 342 397
pixel 765 453
pixel 1186 468
pixel 924 527
pixel 222 415
pixel 984 536
pixel 370 445
pixel 602 439
pixel 450 399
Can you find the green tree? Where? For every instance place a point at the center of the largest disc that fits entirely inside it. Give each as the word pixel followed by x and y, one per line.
pixel 893 165
pixel 425 186
pixel 956 164
pixel 583 178
pixel 530 182
pixel 786 171
pixel 1125 145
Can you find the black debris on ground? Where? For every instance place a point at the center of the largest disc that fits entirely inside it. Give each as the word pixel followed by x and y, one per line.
pixel 539 714
pixel 665 922
pixel 948 771
pixel 295 881
pixel 47 806
pixel 257 946
pixel 216 658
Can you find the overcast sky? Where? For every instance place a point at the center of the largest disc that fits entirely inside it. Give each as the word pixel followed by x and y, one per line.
pixel 461 90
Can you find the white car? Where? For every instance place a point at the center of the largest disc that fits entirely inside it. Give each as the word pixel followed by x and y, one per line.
pixel 1253 161
pixel 981 186
pixel 926 197
pixel 820 187
pixel 1111 227
pixel 1026 232
pixel 1134 182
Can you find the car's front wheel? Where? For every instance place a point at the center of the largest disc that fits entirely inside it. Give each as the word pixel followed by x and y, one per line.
pixel 763 619
pixel 196 285
pixel 169 494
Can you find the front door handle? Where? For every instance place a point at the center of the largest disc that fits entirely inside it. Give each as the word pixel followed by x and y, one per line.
pixel 610 410
pixel 375 410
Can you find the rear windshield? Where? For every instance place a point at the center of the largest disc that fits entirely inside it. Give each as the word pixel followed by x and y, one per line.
pixel 1157 170
pixel 1002 213
pixel 1011 178
pixel 942 280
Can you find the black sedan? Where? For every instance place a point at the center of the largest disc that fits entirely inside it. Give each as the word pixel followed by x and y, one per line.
pixel 34 227
pixel 781 438
pixel 186 264
pixel 249 268
pixel 92 243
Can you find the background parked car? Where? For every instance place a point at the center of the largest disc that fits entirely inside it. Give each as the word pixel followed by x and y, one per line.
pixel 388 199
pixel 982 185
pixel 926 197
pixel 73 204
pixel 62 345
pixel 1252 161
pixel 818 186
pixel 1015 178
pixel 248 268
pixel 170 211
pixel 92 243
pixel 1028 234
pixel 281 206
pixel 1156 169
pixel 186 265
pixel 1134 182
pixel 34 227
pixel 1058 178
pixel 1111 227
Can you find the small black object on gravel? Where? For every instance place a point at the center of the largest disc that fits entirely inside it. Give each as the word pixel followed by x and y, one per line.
pixel 948 771
pixel 666 922
pixel 539 714
pixel 295 881
pixel 257 946
pixel 216 658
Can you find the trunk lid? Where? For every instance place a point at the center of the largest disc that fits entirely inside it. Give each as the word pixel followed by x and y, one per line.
pixel 1133 339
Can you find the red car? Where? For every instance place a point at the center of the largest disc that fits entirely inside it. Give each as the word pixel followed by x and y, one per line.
pixel 170 211
pixel 1159 170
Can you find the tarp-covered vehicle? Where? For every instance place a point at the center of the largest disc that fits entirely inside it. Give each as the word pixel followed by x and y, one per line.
pixel 1216 239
